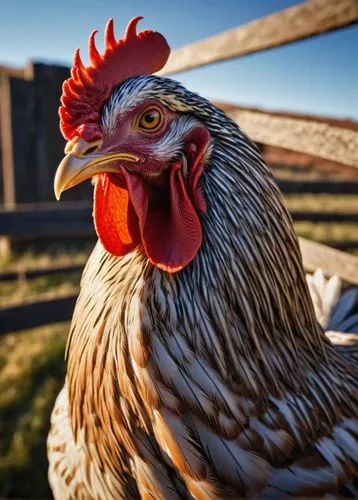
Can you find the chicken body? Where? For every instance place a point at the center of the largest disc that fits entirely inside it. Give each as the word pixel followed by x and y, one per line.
pixel 216 381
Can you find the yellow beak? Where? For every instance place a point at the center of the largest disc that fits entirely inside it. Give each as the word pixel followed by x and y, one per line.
pixel 84 160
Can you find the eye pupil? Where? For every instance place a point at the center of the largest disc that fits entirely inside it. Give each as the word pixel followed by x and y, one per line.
pixel 150 117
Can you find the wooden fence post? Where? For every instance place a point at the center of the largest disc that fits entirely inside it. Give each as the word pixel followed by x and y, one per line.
pixel 17 144
pixel 50 144
pixel 8 180
pixel 17 141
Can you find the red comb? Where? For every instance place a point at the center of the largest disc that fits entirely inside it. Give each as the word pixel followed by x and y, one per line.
pixel 84 94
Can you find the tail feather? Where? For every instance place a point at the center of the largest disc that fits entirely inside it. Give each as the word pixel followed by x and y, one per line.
pixel 324 294
pixel 344 315
pixel 337 312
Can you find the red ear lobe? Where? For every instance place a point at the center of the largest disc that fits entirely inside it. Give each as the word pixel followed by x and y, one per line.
pixel 198 141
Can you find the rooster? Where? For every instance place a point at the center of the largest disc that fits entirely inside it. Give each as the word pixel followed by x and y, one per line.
pixel 196 365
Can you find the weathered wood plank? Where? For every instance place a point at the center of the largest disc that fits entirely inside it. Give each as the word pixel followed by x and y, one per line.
pixel 36 314
pixel 306 136
pixel 342 244
pixel 47 82
pixel 25 274
pixel 75 219
pixel 18 139
pixel 296 23
pixel 44 312
pixel 330 260
pixel 315 216
pixel 318 186
pixel 6 143
pixel 12 71
pixel 62 220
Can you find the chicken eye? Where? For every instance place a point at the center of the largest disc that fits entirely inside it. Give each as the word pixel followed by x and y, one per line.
pixel 150 120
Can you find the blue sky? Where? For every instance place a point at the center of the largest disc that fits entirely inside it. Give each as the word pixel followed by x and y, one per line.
pixel 318 75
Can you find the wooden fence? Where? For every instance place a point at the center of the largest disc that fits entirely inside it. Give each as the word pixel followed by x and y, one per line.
pixel 74 219
pixel 31 145
pixel 26 101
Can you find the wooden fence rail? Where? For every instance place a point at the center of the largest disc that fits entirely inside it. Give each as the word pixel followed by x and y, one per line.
pixel 315 216
pixel 318 186
pixel 73 219
pixel 305 136
pixel 60 220
pixel 305 20
pixel 331 261
pixel 69 219
pixel 342 245
pixel 22 274
pixel 43 312
pixel 26 274
pixel 290 25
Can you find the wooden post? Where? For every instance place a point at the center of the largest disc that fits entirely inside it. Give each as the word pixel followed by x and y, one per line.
pixel 49 143
pixel 31 143
pixel 17 144
pixel 17 141
pixel 48 80
pixel 7 160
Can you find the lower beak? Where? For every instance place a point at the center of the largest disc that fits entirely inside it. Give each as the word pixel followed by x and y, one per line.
pixel 74 169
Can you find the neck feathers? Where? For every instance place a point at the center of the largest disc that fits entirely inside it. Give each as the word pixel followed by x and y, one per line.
pixel 243 298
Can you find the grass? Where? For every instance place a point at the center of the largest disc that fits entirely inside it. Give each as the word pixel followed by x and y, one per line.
pixel 325 231
pixel 54 254
pixel 32 373
pixel 42 287
pixel 32 367
pixel 322 202
pixel 305 174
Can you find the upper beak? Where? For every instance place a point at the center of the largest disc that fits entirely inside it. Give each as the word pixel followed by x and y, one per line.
pixel 84 160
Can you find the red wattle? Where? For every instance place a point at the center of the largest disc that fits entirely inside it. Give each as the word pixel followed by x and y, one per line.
pixel 172 236
pixel 115 220
pixel 129 210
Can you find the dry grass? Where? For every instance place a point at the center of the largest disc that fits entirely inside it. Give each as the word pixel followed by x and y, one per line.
pixel 54 254
pixel 43 287
pixel 32 371
pixel 324 231
pixel 322 202
pixel 32 374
